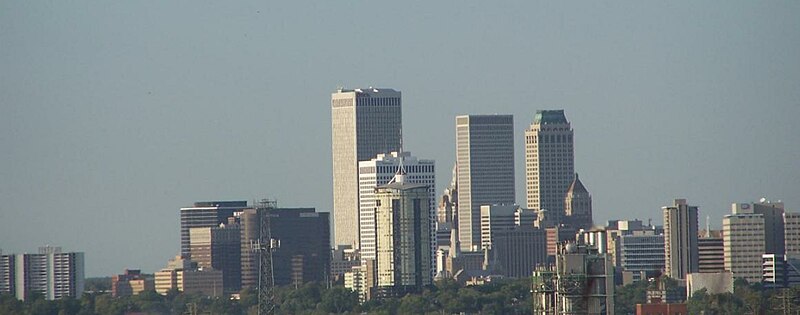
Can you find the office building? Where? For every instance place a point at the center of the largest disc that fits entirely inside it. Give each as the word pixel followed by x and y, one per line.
pixel 365 123
pixel 517 251
pixel 219 248
pixel 578 205
pixel 51 272
pixel 343 259
pixel 791 228
pixel 448 208
pixel 580 282
pixel 131 282
pixel 495 218
pixel 780 271
pixel 680 239
pixel 549 162
pixel 710 253
pixel 378 172
pixel 404 261
pixel 206 214
pixel 304 254
pixel 183 275
pixel 743 244
pixel 642 252
pixel 485 159
pixel 774 229
pixel 250 227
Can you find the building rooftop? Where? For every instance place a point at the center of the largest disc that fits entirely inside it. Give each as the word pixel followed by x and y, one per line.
pixel 544 117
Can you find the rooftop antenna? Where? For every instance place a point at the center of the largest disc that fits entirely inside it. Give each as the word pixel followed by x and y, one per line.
pixel 400 176
pixel 708 226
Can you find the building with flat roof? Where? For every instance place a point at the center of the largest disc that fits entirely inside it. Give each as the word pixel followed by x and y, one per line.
pixel 219 248
pixel 680 239
pixel 485 158
pixel 206 214
pixel 364 123
pixel 378 172
pixel 50 272
pixel 131 282
pixel 304 254
pixel 403 261
pixel 743 245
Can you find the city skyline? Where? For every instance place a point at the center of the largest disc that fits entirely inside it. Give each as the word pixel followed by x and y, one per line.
pixel 104 126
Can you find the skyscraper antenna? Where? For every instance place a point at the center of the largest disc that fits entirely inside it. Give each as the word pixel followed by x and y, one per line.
pixel 708 226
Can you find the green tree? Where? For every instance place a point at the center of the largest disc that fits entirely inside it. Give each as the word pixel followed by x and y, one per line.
pixel 338 300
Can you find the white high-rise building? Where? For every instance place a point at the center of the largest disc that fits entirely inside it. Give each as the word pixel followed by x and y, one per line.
pixel 743 242
pixel 378 172
pixel 791 225
pixel 485 159
pixel 549 162
pixel 51 272
pixel 365 123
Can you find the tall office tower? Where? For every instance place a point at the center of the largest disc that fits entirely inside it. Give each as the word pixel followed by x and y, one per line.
pixel 52 273
pixel 743 244
pixel 304 254
pixel 791 228
pixel 365 122
pixel 206 214
pixel 680 239
pixel 403 238
pixel 773 223
pixel 378 172
pixel 580 282
pixel 578 205
pixel 485 159
pixel 549 162
pixel 642 251
pixel 250 225
pixel 710 253
pixel 219 248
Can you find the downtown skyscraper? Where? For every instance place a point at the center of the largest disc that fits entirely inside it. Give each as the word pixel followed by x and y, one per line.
pixel 549 162
pixel 680 239
pixel 485 170
pixel 364 122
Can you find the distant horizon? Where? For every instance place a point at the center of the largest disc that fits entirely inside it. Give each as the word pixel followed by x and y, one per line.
pixel 115 116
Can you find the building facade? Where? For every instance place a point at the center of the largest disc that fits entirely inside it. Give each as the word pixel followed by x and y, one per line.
pixel 549 162
pixel 404 259
pixel 485 159
pixel 206 214
pixel 378 172
pixel 219 248
pixel 304 254
pixel 365 123
pixel 680 239
pixel 711 254
pixel 51 272
pixel 641 252
pixel 743 245
pixel 131 282
pixel 791 232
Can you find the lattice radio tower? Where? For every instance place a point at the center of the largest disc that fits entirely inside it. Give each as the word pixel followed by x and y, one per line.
pixel 264 247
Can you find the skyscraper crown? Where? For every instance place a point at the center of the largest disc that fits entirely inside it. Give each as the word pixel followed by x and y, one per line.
pixel 544 117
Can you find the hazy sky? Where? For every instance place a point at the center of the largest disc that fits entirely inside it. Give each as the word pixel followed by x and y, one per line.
pixel 115 114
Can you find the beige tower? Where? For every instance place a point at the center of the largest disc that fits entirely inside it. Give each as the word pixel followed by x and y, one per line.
pixel 485 159
pixel 365 122
pixel 680 239
pixel 549 162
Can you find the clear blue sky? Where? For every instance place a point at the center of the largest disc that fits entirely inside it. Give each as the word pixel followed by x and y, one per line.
pixel 115 114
